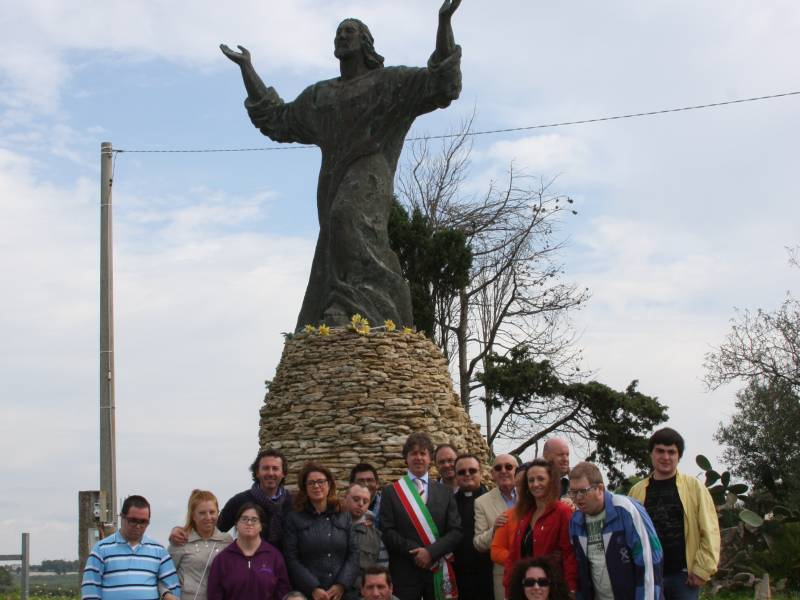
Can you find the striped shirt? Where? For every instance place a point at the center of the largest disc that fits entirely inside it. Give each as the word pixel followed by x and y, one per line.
pixel 115 571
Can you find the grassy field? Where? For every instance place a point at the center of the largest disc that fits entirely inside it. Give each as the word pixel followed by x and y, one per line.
pixel 48 587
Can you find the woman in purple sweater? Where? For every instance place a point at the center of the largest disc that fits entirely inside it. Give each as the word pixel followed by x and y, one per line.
pixel 249 568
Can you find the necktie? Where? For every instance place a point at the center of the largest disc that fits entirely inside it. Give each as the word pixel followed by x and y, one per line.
pixel 420 487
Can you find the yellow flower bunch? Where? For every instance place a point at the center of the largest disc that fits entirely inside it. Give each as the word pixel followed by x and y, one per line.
pixel 309 329
pixel 389 324
pixel 408 330
pixel 324 330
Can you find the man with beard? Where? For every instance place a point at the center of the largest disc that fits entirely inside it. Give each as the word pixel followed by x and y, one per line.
pixel 269 473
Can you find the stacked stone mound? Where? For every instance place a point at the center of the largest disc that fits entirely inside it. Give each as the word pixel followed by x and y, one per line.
pixel 346 398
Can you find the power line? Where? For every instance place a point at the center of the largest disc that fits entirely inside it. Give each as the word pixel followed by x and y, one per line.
pixel 491 131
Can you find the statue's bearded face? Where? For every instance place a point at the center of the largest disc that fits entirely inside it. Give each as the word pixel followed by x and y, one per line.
pixel 347 41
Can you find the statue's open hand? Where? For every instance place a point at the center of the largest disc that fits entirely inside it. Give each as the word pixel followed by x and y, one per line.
pixel 448 8
pixel 239 58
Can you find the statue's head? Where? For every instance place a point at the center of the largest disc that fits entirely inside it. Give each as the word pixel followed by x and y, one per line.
pixel 354 36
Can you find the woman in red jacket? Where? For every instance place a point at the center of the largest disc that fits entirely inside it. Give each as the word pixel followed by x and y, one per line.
pixel 542 522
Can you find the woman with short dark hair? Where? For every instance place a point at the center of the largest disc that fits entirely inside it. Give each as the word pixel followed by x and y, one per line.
pixel 249 568
pixel 320 547
pixel 537 579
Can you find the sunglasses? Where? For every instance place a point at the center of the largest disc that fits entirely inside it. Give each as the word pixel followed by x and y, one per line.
pixel 502 466
pixel 542 582
pixel 137 522
pixel 465 472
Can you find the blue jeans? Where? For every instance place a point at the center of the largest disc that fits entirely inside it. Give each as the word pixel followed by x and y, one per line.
pixel 676 588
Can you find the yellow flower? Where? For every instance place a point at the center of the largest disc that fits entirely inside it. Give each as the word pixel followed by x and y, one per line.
pixel 408 330
pixel 309 329
pixel 363 329
pixel 356 319
pixel 324 330
pixel 389 324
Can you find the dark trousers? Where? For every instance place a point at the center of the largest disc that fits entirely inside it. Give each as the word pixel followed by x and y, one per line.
pixel 676 588
pixel 419 589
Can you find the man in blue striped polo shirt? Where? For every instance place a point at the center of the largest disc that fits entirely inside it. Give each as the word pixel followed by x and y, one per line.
pixel 129 565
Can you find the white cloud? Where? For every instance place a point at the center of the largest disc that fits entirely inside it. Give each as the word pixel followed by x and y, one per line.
pixel 199 303
pixel 549 153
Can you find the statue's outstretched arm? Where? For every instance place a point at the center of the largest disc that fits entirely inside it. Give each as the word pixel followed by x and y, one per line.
pixel 256 89
pixel 445 42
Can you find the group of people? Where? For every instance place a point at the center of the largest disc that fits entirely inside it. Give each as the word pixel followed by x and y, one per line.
pixel 543 531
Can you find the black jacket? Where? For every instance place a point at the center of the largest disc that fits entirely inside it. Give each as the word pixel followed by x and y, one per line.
pixel 321 550
pixel 473 569
pixel 272 531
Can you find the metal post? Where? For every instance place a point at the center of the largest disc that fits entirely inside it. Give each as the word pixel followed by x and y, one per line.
pixel 24 583
pixel 108 453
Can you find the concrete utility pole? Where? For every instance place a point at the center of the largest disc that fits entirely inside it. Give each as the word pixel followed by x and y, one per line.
pixel 108 444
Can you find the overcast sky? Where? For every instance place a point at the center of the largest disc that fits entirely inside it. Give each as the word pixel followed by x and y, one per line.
pixel 682 217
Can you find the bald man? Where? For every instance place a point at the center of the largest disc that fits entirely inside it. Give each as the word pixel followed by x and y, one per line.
pixel 556 450
pixel 490 512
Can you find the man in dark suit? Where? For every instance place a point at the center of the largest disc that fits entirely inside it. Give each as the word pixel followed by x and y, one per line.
pixel 473 568
pixel 416 558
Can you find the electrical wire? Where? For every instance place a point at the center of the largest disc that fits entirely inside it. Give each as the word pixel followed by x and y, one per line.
pixel 487 132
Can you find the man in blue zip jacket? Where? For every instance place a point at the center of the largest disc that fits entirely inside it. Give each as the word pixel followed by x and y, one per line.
pixel 618 552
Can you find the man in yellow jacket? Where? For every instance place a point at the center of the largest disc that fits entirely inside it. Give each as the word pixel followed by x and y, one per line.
pixel 684 516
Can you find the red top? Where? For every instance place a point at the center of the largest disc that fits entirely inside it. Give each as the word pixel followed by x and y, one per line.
pixel 550 536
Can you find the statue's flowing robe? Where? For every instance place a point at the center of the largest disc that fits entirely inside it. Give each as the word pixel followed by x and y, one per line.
pixel 360 125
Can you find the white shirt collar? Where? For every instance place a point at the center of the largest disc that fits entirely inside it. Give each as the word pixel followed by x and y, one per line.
pixel 424 477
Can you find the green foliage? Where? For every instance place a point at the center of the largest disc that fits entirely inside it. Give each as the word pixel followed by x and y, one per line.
pixel 435 263
pixel 758 536
pixel 59 566
pixel 748 517
pixel 46 587
pixel 5 579
pixel 703 463
pixel 719 484
pixel 617 422
pixel 761 441
pixel 781 557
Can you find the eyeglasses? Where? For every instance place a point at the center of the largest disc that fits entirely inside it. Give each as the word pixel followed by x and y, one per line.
pixel 249 520
pixel 582 492
pixel 316 482
pixel 542 582
pixel 137 522
pixel 501 466
pixel 465 472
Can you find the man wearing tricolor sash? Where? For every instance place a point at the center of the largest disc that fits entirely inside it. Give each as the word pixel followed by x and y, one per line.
pixel 421 528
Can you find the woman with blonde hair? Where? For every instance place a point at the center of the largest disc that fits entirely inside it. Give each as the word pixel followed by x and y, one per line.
pixel 193 560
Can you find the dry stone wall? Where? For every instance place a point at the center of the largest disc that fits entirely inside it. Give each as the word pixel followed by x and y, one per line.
pixel 346 398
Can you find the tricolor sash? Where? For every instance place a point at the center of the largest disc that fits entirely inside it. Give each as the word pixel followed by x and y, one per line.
pixel 444 577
